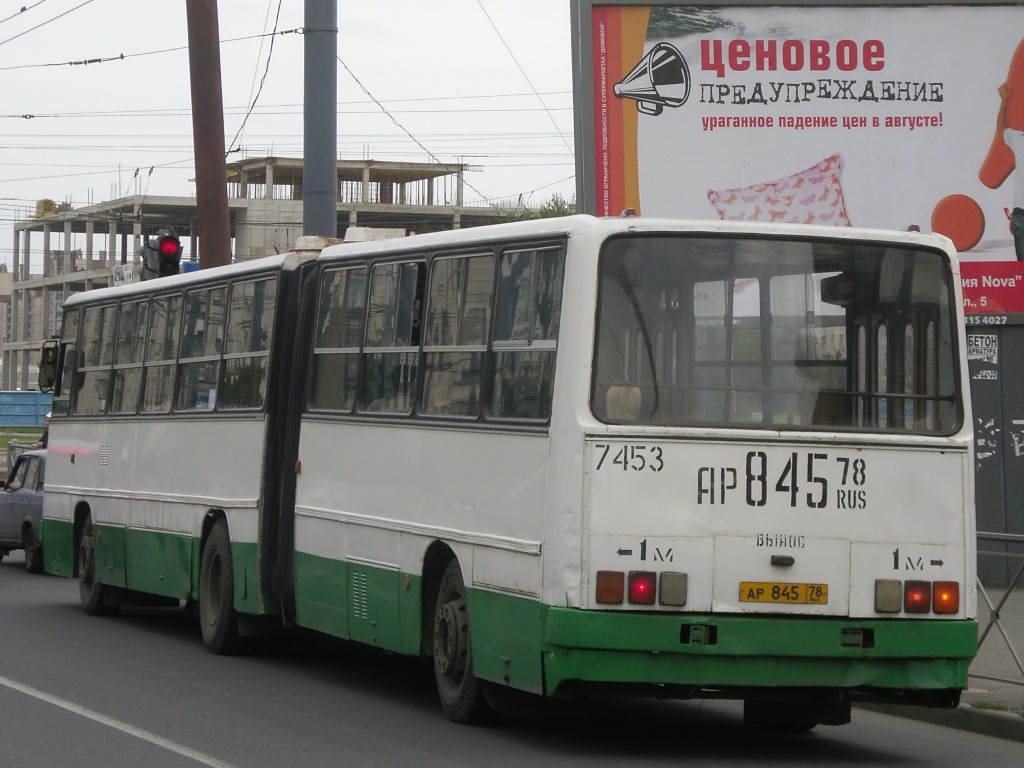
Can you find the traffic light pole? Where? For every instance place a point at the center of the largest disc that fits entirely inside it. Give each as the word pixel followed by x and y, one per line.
pixel 208 133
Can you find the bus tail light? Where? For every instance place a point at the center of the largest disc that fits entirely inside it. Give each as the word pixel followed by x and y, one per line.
pixel 642 587
pixel 892 596
pixel 673 588
pixel 888 595
pixel 917 596
pixel 946 597
pixel 610 587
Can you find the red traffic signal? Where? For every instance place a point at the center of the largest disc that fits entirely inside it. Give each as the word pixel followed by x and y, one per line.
pixel 169 250
pixel 169 246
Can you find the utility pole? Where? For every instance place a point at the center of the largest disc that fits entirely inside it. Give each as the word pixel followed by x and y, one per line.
pixel 320 119
pixel 208 133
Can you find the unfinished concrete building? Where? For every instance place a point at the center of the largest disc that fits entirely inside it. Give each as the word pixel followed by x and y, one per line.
pixel 78 249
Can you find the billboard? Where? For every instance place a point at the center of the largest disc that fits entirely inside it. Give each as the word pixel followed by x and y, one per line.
pixel 872 115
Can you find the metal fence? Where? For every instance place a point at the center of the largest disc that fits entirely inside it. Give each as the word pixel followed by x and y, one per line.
pixel 995 619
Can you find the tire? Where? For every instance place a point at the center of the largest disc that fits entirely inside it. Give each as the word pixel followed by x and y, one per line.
pixel 217 616
pixel 92 593
pixel 33 551
pixel 460 691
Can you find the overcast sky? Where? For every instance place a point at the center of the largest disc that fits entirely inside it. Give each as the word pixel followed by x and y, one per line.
pixel 485 82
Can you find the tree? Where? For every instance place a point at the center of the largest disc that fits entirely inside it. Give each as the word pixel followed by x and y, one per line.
pixel 557 206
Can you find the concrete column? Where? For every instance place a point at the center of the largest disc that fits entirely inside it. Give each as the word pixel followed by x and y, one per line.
pixel 366 186
pixel 90 230
pixel 268 190
pixel 69 260
pixel 23 372
pixel 136 241
pixel 47 256
pixel 16 255
pixel 112 244
pixel 459 186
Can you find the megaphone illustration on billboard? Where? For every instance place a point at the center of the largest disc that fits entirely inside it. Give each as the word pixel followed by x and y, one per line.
pixel 661 79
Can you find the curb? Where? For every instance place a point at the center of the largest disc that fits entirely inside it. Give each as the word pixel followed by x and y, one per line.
pixel 987 722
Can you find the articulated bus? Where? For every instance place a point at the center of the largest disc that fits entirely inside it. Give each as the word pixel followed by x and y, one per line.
pixel 558 457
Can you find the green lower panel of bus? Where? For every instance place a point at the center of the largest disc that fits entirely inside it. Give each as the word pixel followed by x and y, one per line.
pixel 385 607
pixel 710 650
pixel 59 554
pixel 378 606
pixel 153 562
pixel 524 644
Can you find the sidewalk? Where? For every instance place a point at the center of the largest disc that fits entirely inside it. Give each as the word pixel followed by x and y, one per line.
pixel 993 703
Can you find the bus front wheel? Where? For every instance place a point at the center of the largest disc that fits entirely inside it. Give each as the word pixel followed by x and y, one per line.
pixel 461 692
pixel 217 615
pixel 92 593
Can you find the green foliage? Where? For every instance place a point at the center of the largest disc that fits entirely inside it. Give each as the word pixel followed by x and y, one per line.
pixel 557 206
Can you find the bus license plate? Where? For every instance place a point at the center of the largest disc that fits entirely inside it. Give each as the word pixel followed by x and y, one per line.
pixel 777 592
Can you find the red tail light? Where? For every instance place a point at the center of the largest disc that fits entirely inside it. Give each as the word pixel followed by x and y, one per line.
pixel 917 596
pixel 642 587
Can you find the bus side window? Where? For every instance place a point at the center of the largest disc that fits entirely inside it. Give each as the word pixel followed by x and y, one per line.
pixel 96 356
pixel 339 333
pixel 161 350
pixel 455 335
pixel 128 352
pixel 201 345
pixel 67 360
pixel 391 351
pixel 529 307
pixel 250 327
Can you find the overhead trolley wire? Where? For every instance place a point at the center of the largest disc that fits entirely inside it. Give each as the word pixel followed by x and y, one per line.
pixel 43 24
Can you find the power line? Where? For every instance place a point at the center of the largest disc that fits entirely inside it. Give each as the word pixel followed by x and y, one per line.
pixel 23 9
pixel 398 124
pixel 270 55
pixel 123 56
pixel 523 71
pixel 43 24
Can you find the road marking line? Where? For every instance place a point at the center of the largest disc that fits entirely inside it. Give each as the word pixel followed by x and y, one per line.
pixel 110 722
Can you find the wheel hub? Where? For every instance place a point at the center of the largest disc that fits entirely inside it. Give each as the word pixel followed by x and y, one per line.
pixel 85 560
pixel 449 645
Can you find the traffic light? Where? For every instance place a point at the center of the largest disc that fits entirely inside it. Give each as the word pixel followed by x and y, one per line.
pixel 161 255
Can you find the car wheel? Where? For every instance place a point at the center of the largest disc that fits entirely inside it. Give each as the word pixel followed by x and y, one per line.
pixel 33 551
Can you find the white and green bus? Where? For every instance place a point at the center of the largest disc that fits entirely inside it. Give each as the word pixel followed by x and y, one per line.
pixel 684 459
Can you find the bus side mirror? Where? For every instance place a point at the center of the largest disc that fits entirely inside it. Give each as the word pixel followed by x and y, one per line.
pixel 48 364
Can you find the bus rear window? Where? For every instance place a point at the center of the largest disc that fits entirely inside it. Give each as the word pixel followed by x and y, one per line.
pixel 775 333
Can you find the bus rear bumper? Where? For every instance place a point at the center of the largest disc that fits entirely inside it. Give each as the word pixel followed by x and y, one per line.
pixel 708 655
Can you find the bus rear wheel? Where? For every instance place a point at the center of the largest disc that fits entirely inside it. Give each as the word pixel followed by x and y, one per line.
pixel 91 592
pixel 460 691
pixel 217 616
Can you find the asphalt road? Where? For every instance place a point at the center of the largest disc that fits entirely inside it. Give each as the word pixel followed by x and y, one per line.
pixel 141 690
